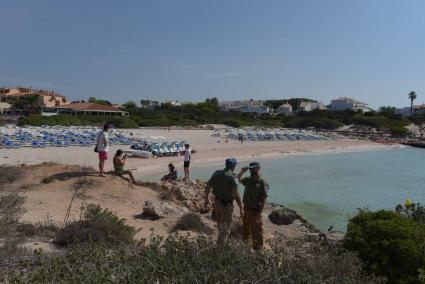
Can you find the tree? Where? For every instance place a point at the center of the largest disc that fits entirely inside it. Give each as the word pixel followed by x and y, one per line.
pixel 387 110
pixel 130 105
pixel 28 103
pixel 145 103
pixel 92 100
pixel 412 96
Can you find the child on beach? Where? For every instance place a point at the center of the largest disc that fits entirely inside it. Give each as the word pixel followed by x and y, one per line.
pixel 172 173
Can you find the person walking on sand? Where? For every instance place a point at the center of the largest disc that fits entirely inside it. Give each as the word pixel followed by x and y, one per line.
pixel 254 199
pixel 102 148
pixel 225 191
pixel 186 162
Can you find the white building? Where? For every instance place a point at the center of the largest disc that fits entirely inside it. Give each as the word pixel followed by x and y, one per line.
pixel 310 106
pixel 345 103
pixel 418 110
pixel 4 107
pixel 285 108
pixel 245 106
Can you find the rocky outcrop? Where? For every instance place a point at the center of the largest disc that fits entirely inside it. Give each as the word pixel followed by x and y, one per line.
pixel 189 194
pixel 283 216
pixel 156 210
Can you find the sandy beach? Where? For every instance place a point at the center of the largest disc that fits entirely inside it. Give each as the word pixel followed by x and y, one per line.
pixel 210 150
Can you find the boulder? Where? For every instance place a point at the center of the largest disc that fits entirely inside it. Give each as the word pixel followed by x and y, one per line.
pixel 282 216
pixel 149 211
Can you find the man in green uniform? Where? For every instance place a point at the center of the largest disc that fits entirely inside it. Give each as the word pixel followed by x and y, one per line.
pixel 254 199
pixel 225 190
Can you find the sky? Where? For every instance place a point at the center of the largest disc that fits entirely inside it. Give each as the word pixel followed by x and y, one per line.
pixel 189 50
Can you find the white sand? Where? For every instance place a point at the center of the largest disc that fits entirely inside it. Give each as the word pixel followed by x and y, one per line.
pixel 209 150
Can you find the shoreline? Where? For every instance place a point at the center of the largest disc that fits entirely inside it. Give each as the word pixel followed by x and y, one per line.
pixel 149 169
pixel 210 150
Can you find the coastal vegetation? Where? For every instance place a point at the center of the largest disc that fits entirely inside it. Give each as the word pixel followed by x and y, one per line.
pixel 173 259
pixel 390 244
pixel 69 120
pixel 208 112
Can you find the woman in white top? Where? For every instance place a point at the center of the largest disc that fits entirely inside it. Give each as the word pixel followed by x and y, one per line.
pixel 186 164
pixel 103 148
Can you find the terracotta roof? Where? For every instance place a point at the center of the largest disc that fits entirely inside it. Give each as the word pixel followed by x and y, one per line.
pixel 89 106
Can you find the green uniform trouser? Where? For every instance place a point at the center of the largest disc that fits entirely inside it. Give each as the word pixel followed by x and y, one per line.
pixel 224 213
pixel 253 227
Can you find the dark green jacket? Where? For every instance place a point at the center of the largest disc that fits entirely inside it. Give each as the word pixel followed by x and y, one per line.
pixel 223 184
pixel 255 191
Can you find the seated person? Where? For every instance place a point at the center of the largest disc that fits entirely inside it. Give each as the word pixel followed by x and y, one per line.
pixel 119 165
pixel 172 175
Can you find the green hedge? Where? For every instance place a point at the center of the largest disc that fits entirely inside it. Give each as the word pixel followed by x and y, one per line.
pixel 316 122
pixel 389 245
pixel 68 120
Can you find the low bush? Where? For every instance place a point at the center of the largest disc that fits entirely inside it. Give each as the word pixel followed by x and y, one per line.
pixel 42 229
pixel 414 211
pixel 390 245
pixel 399 131
pixel 11 209
pixel 68 120
pixel 191 222
pixel 200 260
pixel 99 225
pixel 316 122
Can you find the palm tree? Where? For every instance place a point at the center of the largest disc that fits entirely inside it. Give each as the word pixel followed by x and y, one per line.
pixel 412 96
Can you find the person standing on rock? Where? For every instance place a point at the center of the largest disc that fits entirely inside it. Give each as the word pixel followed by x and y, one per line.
pixel 225 191
pixel 254 199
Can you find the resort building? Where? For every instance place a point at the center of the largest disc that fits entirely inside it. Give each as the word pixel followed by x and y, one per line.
pixel 345 103
pixel 310 106
pixel 4 107
pixel 285 109
pixel 418 110
pixel 87 109
pixel 45 98
pixel 245 106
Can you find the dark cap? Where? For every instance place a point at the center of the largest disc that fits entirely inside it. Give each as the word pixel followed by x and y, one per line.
pixel 254 165
pixel 231 162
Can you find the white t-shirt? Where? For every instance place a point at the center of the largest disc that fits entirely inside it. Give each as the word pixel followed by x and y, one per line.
pixel 103 142
pixel 187 155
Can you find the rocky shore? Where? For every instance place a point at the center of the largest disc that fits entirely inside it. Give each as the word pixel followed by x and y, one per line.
pixel 151 208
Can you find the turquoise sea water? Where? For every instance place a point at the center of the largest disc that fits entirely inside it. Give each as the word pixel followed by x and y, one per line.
pixel 327 189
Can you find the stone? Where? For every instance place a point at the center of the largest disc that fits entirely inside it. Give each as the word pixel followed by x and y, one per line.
pixel 149 211
pixel 282 216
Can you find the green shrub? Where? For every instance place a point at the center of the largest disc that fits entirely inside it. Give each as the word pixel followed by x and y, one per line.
pixel 415 212
pixel 316 122
pixel 389 245
pixel 68 120
pixel 122 122
pixel 191 222
pixel 232 123
pixel 11 209
pixel 200 260
pixel 100 225
pixel 399 131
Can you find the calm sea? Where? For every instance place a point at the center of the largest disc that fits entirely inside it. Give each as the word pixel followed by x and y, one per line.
pixel 327 189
